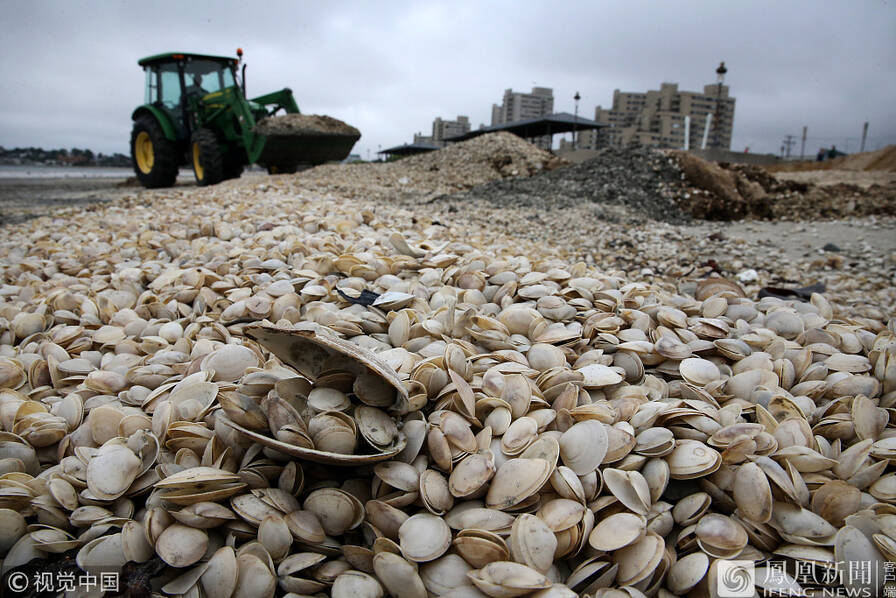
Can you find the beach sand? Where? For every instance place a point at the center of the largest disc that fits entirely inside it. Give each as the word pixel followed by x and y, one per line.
pixel 25 198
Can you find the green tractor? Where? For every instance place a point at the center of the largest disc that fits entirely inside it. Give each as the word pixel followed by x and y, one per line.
pixel 196 112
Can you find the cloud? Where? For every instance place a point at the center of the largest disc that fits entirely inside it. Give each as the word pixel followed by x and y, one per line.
pixel 71 79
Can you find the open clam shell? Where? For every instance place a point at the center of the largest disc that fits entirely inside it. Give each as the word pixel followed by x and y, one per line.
pixel 506 579
pixel 320 456
pixel 312 353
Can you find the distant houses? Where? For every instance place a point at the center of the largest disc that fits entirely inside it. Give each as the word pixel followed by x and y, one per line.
pixel 60 157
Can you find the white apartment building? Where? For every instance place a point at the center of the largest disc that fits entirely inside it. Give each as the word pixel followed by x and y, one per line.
pixel 657 118
pixel 521 106
pixel 445 129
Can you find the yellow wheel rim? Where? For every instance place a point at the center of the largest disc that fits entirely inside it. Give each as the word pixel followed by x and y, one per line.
pixel 197 163
pixel 143 152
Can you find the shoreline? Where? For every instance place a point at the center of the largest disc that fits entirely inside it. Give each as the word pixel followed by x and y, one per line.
pixel 24 198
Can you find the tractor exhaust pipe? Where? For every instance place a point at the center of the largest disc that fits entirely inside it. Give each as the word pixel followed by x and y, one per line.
pixel 239 53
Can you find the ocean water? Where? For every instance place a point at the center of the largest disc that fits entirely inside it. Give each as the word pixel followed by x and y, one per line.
pixel 64 172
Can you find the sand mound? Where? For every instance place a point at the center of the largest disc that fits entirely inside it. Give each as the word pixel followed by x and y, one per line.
pixel 882 159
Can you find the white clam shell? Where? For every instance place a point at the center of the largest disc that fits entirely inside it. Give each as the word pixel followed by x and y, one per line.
pixel 584 446
pixel 424 537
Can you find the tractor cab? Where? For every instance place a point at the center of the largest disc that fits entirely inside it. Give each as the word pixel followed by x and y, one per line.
pixel 175 79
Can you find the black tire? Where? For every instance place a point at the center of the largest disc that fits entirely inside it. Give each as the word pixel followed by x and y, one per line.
pixel 282 168
pixel 208 163
pixel 153 156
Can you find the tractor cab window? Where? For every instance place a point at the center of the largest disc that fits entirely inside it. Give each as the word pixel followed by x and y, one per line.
pixel 163 86
pixel 169 86
pixel 163 90
pixel 206 76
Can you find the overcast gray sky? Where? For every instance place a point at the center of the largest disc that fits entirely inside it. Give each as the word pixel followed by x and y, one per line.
pixel 70 77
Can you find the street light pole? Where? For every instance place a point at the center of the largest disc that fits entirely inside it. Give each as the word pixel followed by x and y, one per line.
pixel 720 75
pixel 575 119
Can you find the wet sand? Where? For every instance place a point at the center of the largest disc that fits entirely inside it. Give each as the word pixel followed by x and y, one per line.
pixel 25 198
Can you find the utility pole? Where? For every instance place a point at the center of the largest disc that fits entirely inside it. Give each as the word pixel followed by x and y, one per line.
pixel 864 136
pixel 789 142
pixel 803 144
pixel 575 120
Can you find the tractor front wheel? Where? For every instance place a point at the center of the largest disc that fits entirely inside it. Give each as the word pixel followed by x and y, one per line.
pixel 154 156
pixel 208 163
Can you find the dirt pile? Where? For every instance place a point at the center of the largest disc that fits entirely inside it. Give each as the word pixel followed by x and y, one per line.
pixel 628 183
pixel 718 193
pixel 737 191
pixel 306 125
pixel 882 159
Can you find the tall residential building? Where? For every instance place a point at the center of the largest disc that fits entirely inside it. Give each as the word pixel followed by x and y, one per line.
pixel 657 118
pixel 521 106
pixel 445 129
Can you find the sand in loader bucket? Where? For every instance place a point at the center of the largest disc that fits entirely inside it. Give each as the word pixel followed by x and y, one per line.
pixel 295 139
pixel 306 125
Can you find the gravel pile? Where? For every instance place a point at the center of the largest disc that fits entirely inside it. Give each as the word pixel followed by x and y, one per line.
pixel 641 181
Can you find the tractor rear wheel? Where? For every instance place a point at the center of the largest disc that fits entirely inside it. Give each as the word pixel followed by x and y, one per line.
pixel 153 156
pixel 208 163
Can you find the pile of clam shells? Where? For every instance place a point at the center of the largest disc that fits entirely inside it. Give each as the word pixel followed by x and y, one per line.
pixel 455 167
pixel 218 401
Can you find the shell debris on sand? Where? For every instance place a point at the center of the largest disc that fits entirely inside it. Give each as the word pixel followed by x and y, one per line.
pixel 195 396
